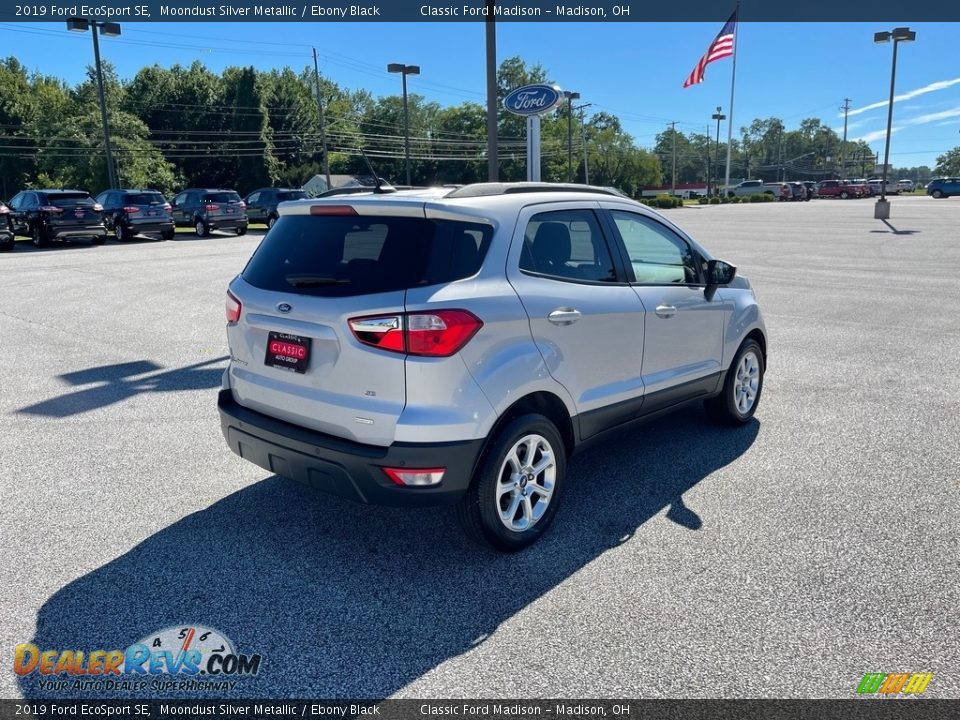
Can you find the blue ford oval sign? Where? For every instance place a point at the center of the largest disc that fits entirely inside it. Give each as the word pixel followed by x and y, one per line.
pixel 532 100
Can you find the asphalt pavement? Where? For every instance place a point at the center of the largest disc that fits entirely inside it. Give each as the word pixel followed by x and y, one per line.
pixel 785 558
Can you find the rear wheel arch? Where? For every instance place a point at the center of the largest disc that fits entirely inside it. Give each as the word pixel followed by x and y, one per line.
pixel 542 403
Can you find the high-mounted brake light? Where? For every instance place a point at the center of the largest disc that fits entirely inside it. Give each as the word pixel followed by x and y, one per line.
pixel 439 333
pixel 417 477
pixel 332 210
pixel 233 308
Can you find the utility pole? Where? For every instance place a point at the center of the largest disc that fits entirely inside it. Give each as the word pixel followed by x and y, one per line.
pixel 323 119
pixel 707 136
pixel 673 174
pixel 718 116
pixel 491 43
pixel 583 133
pixel 843 148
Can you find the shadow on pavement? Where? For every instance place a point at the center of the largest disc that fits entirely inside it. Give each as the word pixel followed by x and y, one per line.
pixel 352 601
pixel 124 380
pixel 893 230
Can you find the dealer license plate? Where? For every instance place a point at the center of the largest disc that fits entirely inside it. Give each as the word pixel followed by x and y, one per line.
pixel 290 352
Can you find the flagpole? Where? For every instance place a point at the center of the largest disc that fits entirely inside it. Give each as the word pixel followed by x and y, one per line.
pixel 733 84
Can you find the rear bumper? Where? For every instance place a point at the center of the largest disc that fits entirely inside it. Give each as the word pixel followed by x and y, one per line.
pixel 344 468
pixel 60 232
pixel 227 223
pixel 143 227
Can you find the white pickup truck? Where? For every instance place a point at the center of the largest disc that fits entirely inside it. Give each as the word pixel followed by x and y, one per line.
pixel 893 186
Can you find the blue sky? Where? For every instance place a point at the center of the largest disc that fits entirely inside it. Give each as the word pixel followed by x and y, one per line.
pixel 635 70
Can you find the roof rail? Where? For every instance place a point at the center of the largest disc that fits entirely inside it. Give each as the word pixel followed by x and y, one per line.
pixel 489 189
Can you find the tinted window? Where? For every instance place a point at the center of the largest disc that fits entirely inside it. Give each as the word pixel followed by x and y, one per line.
pixel 336 256
pixel 253 197
pixel 68 199
pixel 657 255
pixel 221 197
pixel 147 198
pixel 291 195
pixel 567 245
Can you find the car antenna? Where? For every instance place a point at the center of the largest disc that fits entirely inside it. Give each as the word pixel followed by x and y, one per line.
pixel 379 186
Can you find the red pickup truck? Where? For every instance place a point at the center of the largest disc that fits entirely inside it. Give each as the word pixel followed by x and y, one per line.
pixel 841 189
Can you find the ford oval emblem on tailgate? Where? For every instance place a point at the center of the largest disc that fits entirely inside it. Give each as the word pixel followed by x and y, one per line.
pixel 284 307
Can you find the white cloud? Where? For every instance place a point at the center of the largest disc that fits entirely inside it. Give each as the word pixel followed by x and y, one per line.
pixel 910 122
pixel 932 87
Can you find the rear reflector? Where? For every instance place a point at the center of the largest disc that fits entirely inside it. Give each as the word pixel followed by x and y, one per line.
pixel 440 333
pixel 233 308
pixel 332 210
pixel 415 477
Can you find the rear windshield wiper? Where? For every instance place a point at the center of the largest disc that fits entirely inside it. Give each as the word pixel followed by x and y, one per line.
pixel 314 280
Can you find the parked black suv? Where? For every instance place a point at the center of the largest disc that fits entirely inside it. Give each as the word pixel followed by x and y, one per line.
pixel 262 203
pixel 208 209
pixel 136 212
pixel 47 215
pixel 6 229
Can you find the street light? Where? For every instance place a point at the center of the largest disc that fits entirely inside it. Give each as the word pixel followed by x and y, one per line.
pixel 901 34
pixel 405 70
pixel 718 116
pixel 570 96
pixel 109 29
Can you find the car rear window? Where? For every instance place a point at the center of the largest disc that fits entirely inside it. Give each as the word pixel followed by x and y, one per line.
pixel 144 199
pixel 221 197
pixel 336 256
pixel 69 199
pixel 291 195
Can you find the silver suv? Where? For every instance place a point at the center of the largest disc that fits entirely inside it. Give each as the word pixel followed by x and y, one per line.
pixel 456 346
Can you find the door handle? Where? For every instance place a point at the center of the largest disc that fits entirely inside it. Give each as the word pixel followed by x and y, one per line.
pixel 564 316
pixel 666 311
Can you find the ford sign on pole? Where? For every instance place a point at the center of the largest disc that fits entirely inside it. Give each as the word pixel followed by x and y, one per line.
pixel 532 101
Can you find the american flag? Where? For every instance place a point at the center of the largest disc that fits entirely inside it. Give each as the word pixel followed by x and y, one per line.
pixel 720 48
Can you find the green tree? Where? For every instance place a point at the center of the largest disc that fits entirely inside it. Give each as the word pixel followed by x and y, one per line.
pixel 949 163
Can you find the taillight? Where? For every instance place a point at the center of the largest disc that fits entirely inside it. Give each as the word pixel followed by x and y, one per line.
pixel 440 333
pixel 233 308
pixel 131 210
pixel 98 207
pixel 332 210
pixel 415 476
pixel 210 207
pixel 243 205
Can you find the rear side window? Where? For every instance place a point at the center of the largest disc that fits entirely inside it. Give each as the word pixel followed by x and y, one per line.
pixel 221 197
pixel 333 256
pixel 144 199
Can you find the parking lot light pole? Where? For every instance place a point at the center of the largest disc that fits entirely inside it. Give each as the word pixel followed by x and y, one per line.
pixel 405 70
pixel 881 210
pixel 718 116
pixel 109 29
pixel 570 96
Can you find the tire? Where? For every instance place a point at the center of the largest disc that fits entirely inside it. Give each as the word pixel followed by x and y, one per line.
pixel 98 239
pixel 271 221
pixel 168 234
pixel 484 512
pixel 200 227
pixel 120 233
pixel 241 231
pixel 844 195
pixel 738 400
pixel 8 246
pixel 40 238
pixel 937 194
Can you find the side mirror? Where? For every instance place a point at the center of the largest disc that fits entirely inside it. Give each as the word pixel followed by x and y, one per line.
pixel 718 273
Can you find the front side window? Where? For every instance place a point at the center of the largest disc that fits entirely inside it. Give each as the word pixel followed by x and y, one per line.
pixel 657 255
pixel 567 245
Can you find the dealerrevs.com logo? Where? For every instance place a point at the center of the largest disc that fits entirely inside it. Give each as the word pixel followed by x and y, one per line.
pixel 893 684
pixel 187 657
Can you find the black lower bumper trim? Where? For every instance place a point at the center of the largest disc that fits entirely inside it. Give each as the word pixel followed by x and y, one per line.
pixel 342 467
